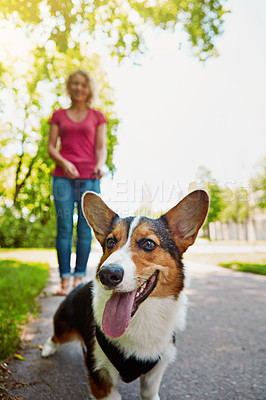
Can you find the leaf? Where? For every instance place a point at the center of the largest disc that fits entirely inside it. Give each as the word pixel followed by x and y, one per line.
pixel 19 357
pixel 117 19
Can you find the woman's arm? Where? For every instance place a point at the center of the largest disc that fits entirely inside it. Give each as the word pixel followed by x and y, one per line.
pixel 100 150
pixel 69 169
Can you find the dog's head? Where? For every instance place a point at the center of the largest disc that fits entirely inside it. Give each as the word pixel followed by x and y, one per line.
pixel 141 256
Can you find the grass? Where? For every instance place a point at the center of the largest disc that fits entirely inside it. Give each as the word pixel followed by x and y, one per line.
pixel 247 262
pixel 246 267
pixel 20 284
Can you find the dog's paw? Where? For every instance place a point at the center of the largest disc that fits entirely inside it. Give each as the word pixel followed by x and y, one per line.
pixel 156 397
pixel 114 395
pixel 49 348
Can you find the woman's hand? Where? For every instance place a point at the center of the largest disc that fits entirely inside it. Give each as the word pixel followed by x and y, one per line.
pixel 98 172
pixel 70 170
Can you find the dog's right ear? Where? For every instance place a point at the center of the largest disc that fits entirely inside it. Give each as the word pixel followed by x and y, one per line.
pixel 98 215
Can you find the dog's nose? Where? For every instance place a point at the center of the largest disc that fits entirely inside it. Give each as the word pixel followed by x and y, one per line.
pixel 111 275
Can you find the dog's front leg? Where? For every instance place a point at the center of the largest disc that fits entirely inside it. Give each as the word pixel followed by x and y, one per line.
pixel 101 386
pixel 114 395
pixel 150 382
pixel 103 377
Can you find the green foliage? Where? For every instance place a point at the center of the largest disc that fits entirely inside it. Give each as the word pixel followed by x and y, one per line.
pixel 226 204
pixel 31 222
pixel 19 285
pixel 121 23
pixel 258 185
pixel 237 205
pixel 246 267
pixel 19 230
pixel 26 169
pixel 208 183
pixel 59 33
pixel 216 202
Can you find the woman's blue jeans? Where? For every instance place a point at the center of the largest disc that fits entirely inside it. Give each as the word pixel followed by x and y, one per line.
pixel 66 193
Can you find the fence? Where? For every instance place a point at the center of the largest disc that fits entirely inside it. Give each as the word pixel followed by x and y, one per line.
pixel 253 229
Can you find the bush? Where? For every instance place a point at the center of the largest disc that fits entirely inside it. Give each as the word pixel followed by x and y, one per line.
pixel 17 230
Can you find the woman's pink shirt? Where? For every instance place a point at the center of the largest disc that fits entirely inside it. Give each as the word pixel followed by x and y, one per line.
pixel 78 140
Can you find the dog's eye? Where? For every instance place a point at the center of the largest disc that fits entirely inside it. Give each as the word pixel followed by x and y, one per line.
pixel 147 244
pixel 111 242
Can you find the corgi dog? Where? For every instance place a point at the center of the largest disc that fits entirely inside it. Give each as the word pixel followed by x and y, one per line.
pixel 128 316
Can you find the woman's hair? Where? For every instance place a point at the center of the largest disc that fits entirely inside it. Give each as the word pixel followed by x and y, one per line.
pixel 90 84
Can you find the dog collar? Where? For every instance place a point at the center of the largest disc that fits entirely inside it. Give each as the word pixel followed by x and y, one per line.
pixel 129 368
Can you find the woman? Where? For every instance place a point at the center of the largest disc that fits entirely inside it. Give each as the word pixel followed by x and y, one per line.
pixel 82 133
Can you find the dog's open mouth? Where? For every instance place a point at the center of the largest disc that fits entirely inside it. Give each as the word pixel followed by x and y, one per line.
pixel 121 307
pixel 144 291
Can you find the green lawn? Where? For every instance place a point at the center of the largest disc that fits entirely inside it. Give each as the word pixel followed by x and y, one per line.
pixel 20 284
pixel 247 262
pixel 246 267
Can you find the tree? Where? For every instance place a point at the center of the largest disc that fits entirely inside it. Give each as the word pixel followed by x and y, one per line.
pixel 226 204
pixel 258 185
pixel 120 23
pixel 60 33
pixel 24 163
pixel 207 182
pixel 25 132
pixel 236 205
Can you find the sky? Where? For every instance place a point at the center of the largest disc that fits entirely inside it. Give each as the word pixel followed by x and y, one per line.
pixel 178 114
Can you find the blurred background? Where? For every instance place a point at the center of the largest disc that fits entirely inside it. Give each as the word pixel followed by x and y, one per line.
pixel 183 86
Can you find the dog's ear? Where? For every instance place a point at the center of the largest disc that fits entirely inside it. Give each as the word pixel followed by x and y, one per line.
pixel 97 214
pixel 186 218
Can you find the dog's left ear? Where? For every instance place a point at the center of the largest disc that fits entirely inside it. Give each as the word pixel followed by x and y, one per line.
pixel 186 218
pixel 98 215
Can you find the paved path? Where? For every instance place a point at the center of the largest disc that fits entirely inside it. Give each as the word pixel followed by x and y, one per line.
pixel 222 353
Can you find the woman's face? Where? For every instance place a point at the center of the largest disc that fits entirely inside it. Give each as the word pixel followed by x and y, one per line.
pixel 78 89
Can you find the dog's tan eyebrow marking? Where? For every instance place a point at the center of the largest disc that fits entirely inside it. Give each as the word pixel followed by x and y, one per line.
pixel 147 230
pixel 119 231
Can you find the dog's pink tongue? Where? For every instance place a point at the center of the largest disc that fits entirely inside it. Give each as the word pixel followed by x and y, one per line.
pixel 117 313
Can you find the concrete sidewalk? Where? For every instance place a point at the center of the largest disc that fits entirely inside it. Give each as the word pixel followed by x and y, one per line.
pixel 204 246
pixel 221 354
